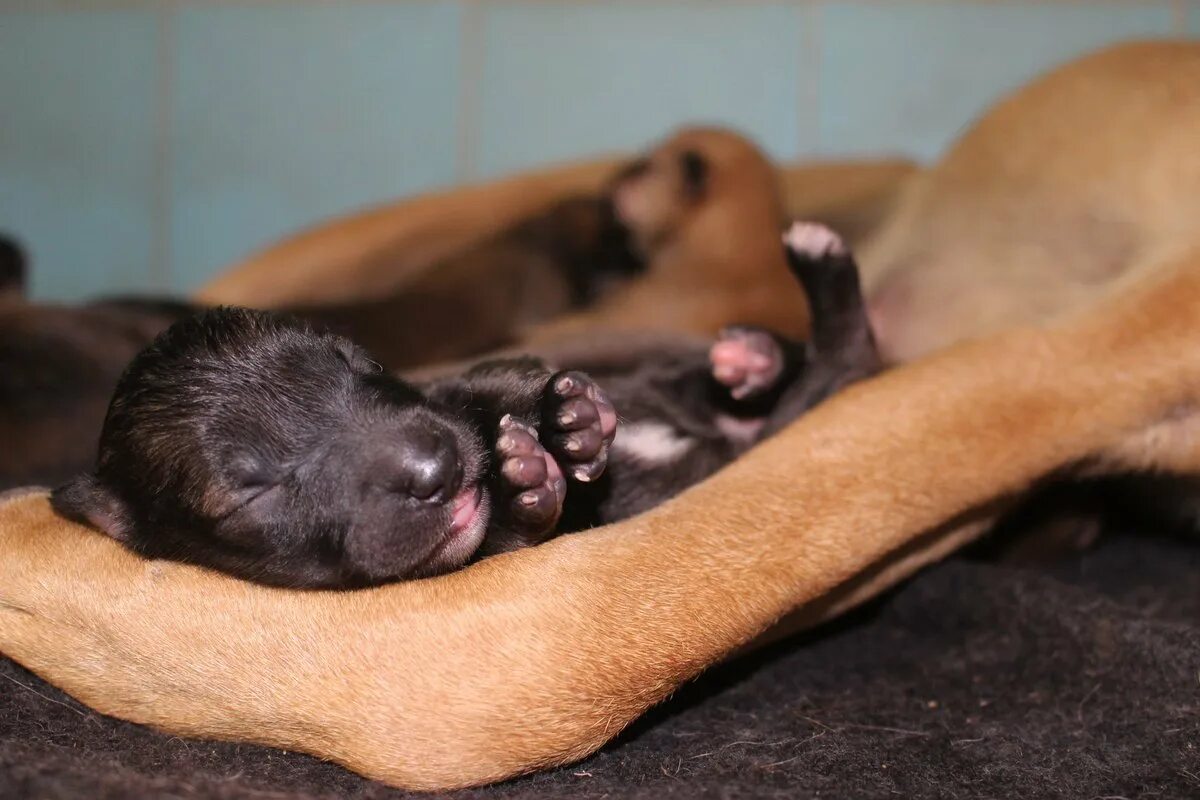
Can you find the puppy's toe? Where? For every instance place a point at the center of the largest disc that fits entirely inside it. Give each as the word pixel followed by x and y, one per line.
pixel 537 510
pixel 516 439
pixel 577 413
pixel 748 360
pixel 524 471
pixel 531 483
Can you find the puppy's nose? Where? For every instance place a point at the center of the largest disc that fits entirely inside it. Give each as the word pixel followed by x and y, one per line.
pixel 426 465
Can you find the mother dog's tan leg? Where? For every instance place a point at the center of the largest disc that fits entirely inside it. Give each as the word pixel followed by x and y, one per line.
pixel 539 657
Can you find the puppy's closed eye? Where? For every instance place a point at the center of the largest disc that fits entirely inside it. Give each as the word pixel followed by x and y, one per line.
pixel 248 479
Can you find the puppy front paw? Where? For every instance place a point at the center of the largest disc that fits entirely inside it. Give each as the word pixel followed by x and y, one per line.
pixel 748 360
pixel 578 424
pixel 531 484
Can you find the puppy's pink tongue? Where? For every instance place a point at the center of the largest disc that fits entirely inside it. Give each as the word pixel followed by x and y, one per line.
pixel 466 505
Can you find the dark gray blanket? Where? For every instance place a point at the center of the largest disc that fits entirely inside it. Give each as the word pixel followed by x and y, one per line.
pixel 1078 680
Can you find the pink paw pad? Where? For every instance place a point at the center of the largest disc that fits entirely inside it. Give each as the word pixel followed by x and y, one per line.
pixel 814 240
pixel 746 360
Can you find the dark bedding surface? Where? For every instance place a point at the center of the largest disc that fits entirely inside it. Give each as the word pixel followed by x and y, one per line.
pixel 1077 680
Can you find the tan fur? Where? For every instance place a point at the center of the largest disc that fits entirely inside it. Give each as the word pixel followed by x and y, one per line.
pixel 1075 179
pixel 539 657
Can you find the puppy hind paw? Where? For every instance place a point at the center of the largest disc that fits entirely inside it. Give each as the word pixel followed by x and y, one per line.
pixel 747 360
pixel 814 241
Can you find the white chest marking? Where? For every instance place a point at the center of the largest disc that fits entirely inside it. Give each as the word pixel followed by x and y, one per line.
pixel 652 443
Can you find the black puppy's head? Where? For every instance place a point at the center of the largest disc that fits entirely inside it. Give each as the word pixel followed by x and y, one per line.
pixel 245 442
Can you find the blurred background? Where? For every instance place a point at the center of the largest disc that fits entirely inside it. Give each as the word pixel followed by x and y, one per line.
pixel 145 145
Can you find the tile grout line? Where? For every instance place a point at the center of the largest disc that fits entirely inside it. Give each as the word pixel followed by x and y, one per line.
pixel 470 78
pixel 809 63
pixel 160 249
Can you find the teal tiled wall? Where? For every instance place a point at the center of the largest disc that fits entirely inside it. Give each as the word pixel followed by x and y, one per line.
pixel 79 147
pixel 145 145
pixel 565 78
pixel 912 74
pixel 282 116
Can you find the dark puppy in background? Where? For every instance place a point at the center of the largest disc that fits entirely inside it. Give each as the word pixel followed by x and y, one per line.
pixel 253 445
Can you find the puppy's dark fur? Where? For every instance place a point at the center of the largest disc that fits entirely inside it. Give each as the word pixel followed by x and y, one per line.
pixel 252 444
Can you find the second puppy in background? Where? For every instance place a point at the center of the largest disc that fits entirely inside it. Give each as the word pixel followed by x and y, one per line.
pixel 703 211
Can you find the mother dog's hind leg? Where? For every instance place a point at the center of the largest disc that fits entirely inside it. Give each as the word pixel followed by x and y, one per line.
pixel 539 657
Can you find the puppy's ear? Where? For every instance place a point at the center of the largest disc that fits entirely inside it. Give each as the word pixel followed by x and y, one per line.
pixel 84 499
pixel 694 167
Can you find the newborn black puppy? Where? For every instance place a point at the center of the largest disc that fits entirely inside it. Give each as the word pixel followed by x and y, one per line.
pixel 249 443
pixel 246 442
